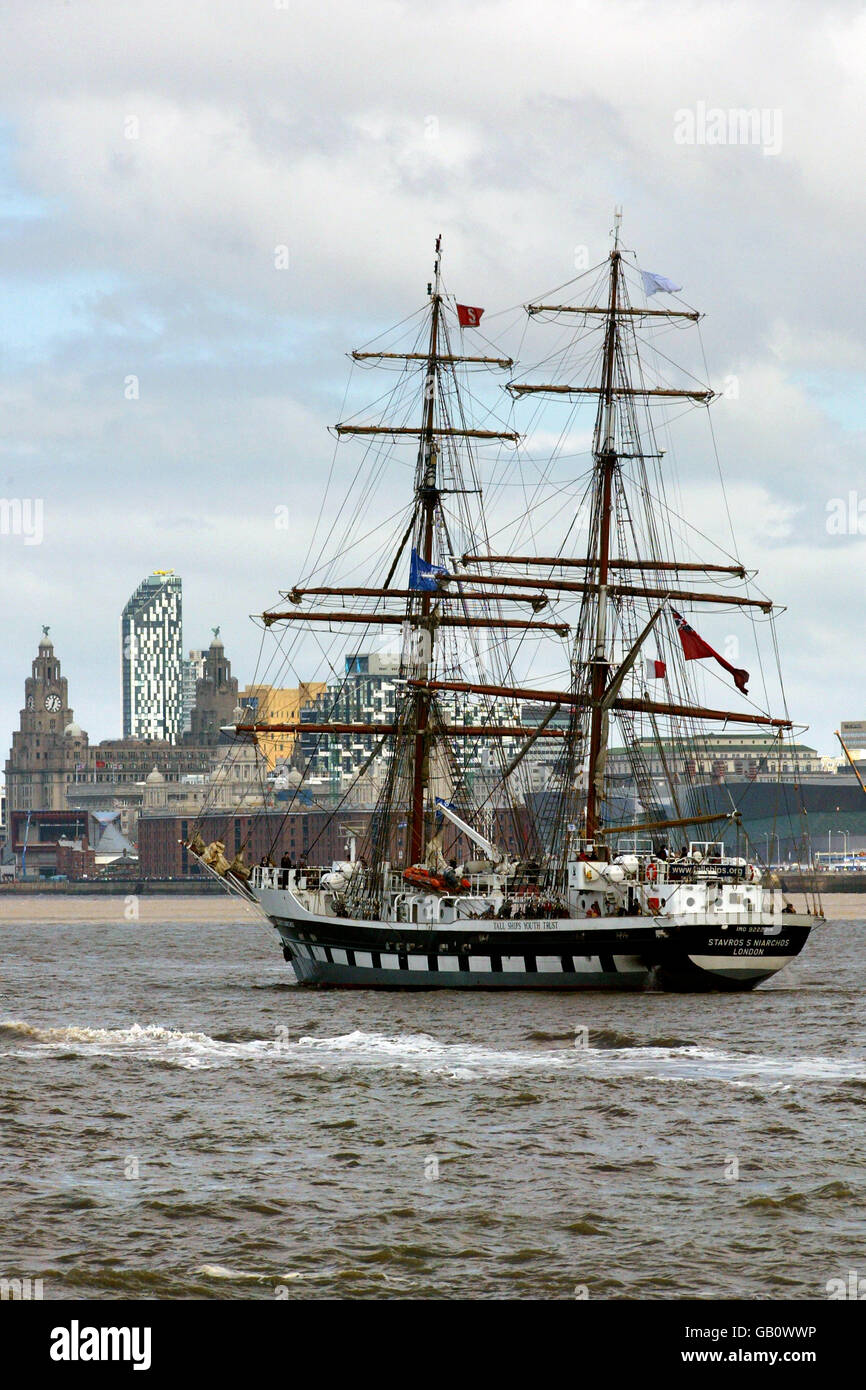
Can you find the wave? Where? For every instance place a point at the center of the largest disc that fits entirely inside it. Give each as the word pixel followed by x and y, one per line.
pixel 801 1201
pixel 237 1275
pixel 608 1038
pixel 608 1055
pixel 149 1042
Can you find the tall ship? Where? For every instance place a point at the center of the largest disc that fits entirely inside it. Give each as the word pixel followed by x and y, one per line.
pixel 585 604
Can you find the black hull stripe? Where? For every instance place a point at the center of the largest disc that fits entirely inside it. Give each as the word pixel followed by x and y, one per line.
pixel 702 939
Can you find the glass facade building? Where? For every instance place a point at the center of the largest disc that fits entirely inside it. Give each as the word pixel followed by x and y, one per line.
pixel 152 659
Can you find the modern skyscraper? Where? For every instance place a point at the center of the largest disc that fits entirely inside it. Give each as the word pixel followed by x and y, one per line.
pixel 193 671
pixel 151 634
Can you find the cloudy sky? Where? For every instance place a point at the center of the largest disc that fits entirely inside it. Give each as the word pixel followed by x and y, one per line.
pixel 154 155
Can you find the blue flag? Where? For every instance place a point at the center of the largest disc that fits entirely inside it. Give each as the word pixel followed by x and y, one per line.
pixel 422 575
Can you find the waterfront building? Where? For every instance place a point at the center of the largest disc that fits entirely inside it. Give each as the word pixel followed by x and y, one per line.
pixel 367 694
pixel 270 704
pixel 193 670
pixel 48 746
pixel 718 756
pixel 152 659
pixel 216 699
pixel 315 834
pixel 853 732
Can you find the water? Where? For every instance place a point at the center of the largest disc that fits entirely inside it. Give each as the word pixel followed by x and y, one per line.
pixel 179 1119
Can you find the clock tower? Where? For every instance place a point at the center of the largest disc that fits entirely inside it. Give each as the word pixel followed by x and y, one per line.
pixel 49 744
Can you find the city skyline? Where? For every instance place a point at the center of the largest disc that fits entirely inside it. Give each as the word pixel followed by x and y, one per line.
pixel 192 659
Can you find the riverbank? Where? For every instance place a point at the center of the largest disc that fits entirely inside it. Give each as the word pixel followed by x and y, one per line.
pixel 59 910
pixel 114 887
pixel 823 883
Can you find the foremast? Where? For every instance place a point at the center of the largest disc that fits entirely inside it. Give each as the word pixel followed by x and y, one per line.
pixel 604 453
pixel 427 499
pixel 424 606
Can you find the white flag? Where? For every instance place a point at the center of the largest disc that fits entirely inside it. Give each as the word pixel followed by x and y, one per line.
pixel 652 283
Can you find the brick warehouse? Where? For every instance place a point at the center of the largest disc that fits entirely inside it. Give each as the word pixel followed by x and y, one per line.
pixel 319 835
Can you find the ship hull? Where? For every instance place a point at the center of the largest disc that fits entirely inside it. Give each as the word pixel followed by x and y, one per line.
pixel 629 954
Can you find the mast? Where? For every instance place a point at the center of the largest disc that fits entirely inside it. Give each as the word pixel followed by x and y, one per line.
pixel 606 464
pixel 428 496
pixel 420 609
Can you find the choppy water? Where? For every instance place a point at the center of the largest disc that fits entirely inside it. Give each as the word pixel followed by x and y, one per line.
pixel 179 1119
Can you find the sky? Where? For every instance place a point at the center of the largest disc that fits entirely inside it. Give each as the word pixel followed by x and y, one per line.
pixel 168 371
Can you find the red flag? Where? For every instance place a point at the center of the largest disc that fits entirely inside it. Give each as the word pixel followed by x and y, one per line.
pixel 468 317
pixel 695 648
pixel 655 669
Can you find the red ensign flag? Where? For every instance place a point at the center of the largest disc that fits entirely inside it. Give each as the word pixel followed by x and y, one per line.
pixel 468 317
pixel 695 648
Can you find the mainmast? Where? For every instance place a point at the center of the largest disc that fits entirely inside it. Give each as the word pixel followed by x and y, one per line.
pixel 603 583
pixel 604 448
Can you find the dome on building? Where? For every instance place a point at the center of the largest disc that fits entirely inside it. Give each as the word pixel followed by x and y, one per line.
pixel 73 730
pixel 154 776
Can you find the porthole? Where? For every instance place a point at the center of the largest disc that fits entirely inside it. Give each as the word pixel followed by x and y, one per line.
pixel 690 902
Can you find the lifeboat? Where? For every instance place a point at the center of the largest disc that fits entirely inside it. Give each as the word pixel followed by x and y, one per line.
pixel 419 877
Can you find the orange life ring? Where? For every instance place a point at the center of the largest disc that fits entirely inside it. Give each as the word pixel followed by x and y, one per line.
pixel 652 872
